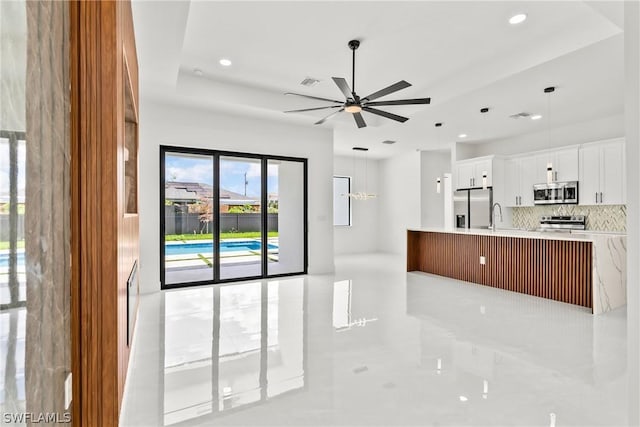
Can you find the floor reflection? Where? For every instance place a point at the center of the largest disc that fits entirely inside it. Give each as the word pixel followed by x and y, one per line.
pixel 230 346
pixel 500 352
pixel 12 357
pixel 373 345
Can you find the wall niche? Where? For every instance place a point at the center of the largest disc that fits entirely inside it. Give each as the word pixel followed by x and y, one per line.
pixel 130 146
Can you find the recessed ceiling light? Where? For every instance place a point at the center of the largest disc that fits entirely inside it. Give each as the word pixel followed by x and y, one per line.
pixel 462 135
pixel 463 398
pixel 536 117
pixel 518 19
pixel 225 62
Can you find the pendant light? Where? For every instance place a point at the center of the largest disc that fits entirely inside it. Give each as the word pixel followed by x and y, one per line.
pixel 438 180
pixel 484 173
pixel 361 195
pixel 549 90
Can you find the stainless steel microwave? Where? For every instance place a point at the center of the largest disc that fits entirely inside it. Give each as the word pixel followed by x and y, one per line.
pixel 556 193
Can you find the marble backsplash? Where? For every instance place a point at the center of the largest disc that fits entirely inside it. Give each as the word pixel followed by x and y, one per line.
pixel 599 218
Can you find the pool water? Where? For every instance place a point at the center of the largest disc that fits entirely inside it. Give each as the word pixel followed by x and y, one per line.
pixel 4 259
pixel 207 247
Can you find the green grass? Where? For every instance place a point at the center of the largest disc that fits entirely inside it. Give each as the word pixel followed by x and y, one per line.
pixel 5 245
pixel 241 235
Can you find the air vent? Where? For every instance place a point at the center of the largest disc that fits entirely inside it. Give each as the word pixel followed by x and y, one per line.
pixel 522 115
pixel 388 142
pixel 309 81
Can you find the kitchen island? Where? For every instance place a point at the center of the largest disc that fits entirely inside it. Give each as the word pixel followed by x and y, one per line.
pixel 586 269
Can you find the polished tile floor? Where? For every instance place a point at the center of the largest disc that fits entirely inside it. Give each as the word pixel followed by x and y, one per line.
pixel 372 345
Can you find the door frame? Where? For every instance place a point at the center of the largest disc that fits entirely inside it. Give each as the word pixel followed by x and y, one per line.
pixel 216 154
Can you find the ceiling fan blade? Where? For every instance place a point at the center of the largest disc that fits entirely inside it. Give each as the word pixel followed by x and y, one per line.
pixel 402 102
pixel 344 86
pixel 321 121
pixel 388 90
pixel 312 109
pixel 385 114
pixel 315 97
pixel 359 120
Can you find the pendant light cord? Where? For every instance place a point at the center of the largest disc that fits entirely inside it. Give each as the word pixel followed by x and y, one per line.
pixel 365 172
pixel 549 119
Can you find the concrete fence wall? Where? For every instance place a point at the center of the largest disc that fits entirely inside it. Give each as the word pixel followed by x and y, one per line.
pixel 4 227
pixel 189 223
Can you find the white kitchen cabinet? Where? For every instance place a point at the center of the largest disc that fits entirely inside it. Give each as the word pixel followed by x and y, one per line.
pixel 465 175
pixel 520 175
pixel 602 172
pixel 469 172
pixel 512 182
pixel 564 162
pixel 566 165
pixel 589 185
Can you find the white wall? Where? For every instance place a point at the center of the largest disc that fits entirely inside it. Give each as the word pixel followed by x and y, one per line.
pixel 162 124
pixel 360 237
pixel 433 164
pixel 577 133
pixel 399 201
pixel 632 134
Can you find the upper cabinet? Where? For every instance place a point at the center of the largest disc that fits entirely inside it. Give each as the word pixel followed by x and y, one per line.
pixel 520 176
pixel 564 163
pixel 469 173
pixel 602 172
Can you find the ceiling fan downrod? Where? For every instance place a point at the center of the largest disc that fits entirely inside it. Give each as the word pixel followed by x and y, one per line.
pixel 353 45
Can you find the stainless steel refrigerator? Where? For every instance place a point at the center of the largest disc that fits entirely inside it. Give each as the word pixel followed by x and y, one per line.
pixel 472 208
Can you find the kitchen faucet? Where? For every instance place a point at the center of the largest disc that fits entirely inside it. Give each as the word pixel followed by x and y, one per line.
pixel 493 215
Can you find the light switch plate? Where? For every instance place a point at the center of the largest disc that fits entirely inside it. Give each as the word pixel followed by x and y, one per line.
pixel 68 391
pixel 483 260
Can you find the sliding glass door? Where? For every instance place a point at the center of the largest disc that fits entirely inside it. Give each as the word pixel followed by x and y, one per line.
pixel 240 206
pixel 188 217
pixel 230 216
pixel 286 225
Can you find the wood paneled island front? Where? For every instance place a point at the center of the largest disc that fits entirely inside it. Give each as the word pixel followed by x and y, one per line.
pixel 583 269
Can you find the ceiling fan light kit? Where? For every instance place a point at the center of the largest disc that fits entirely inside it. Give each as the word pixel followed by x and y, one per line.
pixel 355 104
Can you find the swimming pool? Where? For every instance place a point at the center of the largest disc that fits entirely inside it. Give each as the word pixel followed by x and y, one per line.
pixel 4 260
pixel 207 247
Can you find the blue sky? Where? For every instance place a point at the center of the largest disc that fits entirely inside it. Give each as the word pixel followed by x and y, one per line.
pixel 200 169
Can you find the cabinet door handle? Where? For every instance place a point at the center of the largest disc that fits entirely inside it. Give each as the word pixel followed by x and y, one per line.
pixel 596 197
pixel 601 197
pixel 556 175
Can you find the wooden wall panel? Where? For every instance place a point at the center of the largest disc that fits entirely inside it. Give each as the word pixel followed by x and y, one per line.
pixel 105 244
pixel 554 269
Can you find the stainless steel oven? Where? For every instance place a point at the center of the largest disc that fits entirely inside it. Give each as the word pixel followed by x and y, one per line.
pixel 556 193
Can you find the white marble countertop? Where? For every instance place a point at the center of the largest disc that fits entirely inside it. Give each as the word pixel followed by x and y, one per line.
pixel 505 232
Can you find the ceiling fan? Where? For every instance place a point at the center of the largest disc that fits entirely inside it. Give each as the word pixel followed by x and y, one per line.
pixel 354 104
